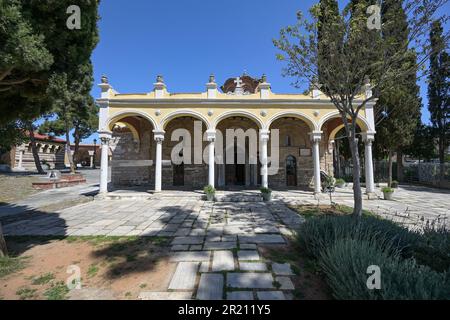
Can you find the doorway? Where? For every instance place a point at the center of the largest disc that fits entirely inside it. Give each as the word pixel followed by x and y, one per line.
pixel 291 171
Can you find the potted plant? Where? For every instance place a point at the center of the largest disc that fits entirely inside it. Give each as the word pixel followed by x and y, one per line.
pixel 340 183
pixel 266 193
pixel 394 184
pixel 387 192
pixel 210 192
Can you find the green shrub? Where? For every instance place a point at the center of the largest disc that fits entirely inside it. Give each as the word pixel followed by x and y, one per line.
pixel 340 181
pixel 318 233
pixel 394 184
pixel 345 265
pixel 434 249
pixel 265 190
pixel 209 189
pixel 387 190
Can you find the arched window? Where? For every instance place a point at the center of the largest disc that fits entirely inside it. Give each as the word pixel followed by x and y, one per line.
pixel 288 141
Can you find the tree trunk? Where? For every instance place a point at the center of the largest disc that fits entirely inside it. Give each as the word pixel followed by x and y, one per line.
pixel 400 165
pixel 338 160
pixel 357 193
pixel 390 155
pixel 34 150
pixel 3 248
pixel 68 153
pixel 76 147
pixel 441 160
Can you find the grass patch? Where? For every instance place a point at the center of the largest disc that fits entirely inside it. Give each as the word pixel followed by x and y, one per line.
pixel 57 291
pixel 310 211
pixel 43 279
pixel 10 265
pixel 92 270
pixel 26 293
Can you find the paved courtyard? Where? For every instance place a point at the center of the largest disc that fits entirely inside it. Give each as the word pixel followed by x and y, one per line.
pixel 216 246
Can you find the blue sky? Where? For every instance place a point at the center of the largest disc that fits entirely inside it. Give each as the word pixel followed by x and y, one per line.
pixel 185 41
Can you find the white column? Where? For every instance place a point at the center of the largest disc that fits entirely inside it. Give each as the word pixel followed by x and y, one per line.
pixel 316 136
pixel 21 151
pixel 159 138
pixel 263 139
pixel 370 185
pixel 211 137
pixel 105 137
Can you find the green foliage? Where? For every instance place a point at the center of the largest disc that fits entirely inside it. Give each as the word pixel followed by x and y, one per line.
pixel 394 184
pixel 340 181
pixel 10 265
pixel 434 249
pixel 319 233
pixel 387 190
pixel 439 88
pixel 265 190
pixel 209 189
pixel 57 291
pixel 43 279
pixel 345 265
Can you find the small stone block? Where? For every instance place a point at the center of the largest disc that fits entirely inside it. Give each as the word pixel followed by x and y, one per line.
pixel 248 255
pixel 240 295
pixel 270 295
pixel 282 269
pixel 285 282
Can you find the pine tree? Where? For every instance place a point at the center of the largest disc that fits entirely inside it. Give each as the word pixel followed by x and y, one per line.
pixel 438 91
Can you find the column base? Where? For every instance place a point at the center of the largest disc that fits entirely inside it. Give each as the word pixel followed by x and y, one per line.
pixel 371 196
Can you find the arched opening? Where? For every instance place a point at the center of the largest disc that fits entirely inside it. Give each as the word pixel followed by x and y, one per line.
pixel 294 153
pixel 337 154
pixel 291 171
pixel 131 150
pixel 182 153
pixel 239 152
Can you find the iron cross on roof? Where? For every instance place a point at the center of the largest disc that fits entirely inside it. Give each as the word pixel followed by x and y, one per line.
pixel 238 82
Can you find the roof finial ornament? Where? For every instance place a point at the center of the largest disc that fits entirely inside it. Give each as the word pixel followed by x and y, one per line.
pixel 264 78
pixel 212 78
pixel 104 79
pixel 159 79
pixel 244 74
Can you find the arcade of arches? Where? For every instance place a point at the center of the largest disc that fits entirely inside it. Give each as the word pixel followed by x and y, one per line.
pixel 141 131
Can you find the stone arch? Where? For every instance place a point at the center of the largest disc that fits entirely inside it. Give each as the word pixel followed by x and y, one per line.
pixel 293 114
pixel 239 113
pixel 130 113
pixel 184 113
pixel 361 121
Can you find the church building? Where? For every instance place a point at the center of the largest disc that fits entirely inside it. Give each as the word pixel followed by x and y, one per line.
pixel 139 130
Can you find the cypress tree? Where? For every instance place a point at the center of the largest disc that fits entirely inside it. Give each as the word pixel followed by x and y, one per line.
pixel 438 91
pixel 399 99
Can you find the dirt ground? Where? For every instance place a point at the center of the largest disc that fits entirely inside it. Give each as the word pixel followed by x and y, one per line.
pixel 121 267
pixel 14 187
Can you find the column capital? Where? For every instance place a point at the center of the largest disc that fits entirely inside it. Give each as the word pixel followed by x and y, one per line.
pixel 158 135
pixel 264 135
pixel 104 136
pixel 316 136
pixel 368 136
pixel 211 135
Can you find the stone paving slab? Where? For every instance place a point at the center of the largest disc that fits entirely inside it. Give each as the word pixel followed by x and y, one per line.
pixel 153 295
pixel 188 240
pixel 252 266
pixel 270 295
pixel 249 280
pixel 219 245
pixel 248 255
pixel 190 256
pixel 184 276
pixel 282 269
pixel 262 239
pixel 285 282
pixel 210 287
pixel 240 295
pixel 223 261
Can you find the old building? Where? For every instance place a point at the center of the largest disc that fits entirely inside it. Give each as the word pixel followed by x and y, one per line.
pixel 288 138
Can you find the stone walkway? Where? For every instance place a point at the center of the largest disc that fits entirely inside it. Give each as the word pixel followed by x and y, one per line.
pixel 413 206
pixel 215 245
